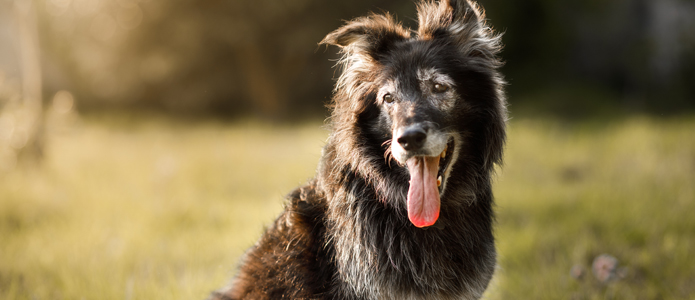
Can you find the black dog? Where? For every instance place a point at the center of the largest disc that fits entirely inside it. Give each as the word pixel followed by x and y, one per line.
pixel 401 205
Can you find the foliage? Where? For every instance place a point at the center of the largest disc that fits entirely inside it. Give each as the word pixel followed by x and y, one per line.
pixel 149 208
pixel 188 57
pixel 234 57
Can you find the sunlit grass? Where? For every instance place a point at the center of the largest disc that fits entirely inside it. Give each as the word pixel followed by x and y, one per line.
pixel 570 192
pixel 145 210
pixel 149 208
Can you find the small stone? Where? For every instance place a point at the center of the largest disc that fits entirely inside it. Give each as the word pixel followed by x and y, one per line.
pixel 605 268
pixel 577 272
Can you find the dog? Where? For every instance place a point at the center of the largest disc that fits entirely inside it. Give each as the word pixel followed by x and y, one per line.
pixel 401 206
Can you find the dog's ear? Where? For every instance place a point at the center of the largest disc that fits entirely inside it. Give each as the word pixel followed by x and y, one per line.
pixel 463 21
pixel 371 35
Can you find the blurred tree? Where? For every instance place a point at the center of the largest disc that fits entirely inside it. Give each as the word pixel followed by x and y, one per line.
pixel 188 56
pixel 233 57
pixel 21 105
pixel 641 53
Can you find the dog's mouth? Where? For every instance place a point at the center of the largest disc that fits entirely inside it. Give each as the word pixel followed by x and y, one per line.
pixel 444 162
pixel 428 175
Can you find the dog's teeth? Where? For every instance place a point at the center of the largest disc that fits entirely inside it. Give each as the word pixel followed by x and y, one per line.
pixel 443 155
pixel 439 181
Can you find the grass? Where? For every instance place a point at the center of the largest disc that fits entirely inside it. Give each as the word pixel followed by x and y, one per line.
pixel 570 193
pixel 150 208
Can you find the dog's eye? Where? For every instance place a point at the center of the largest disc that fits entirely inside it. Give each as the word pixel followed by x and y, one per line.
pixel 440 88
pixel 388 98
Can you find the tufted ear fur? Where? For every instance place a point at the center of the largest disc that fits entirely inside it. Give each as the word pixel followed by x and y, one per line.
pixel 462 21
pixel 371 35
pixel 363 41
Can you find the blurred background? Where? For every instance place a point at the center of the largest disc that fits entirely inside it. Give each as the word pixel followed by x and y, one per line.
pixel 192 118
pixel 235 58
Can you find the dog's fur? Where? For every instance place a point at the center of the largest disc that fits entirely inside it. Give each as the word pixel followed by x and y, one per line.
pixel 350 232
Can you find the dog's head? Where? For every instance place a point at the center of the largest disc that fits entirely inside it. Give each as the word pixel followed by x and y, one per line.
pixel 432 99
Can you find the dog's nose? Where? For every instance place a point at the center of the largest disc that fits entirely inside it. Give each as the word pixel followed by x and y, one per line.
pixel 412 138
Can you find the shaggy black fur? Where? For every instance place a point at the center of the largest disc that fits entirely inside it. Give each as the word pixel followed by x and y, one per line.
pixel 346 233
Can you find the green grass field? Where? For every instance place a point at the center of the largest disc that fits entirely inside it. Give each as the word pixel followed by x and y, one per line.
pixel 150 208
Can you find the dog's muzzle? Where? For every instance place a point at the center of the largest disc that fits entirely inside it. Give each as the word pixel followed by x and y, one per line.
pixel 427 154
pixel 418 140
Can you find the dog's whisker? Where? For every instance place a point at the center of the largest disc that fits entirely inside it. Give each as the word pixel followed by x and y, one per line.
pixel 388 155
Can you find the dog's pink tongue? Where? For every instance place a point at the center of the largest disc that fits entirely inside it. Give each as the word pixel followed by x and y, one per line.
pixel 423 194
